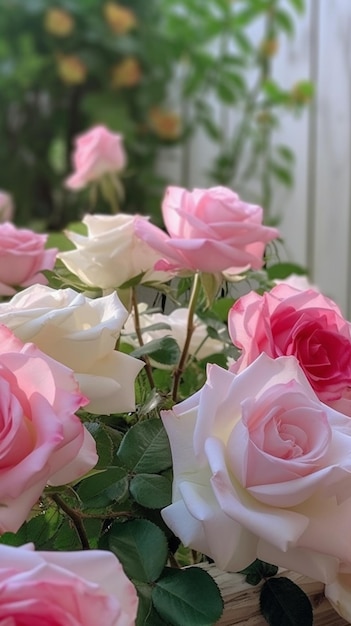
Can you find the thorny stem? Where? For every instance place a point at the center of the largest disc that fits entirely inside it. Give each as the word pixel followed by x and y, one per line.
pixel 190 329
pixel 75 517
pixel 145 358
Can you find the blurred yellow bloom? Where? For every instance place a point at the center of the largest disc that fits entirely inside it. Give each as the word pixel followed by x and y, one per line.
pixel 165 124
pixel 127 73
pixel 269 47
pixel 120 19
pixel 71 69
pixel 302 93
pixel 58 22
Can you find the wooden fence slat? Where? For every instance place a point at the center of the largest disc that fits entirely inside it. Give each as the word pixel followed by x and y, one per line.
pixel 241 600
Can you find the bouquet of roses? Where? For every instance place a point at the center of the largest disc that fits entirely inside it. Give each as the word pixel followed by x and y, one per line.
pixel 166 401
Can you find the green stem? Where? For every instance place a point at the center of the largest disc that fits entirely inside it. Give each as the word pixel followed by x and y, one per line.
pixel 190 329
pixel 145 358
pixel 75 517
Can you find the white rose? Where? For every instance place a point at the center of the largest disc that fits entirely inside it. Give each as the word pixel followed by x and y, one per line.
pixel 111 254
pixel 81 333
pixel 201 344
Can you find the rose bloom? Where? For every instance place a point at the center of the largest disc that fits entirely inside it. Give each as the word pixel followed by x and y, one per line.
pixel 127 73
pixel 111 254
pixel 175 325
pixel 120 19
pixel 57 588
pixel 262 470
pixel 97 152
pixel 71 69
pixel 22 258
pixel 58 22
pixel 210 230
pixel 81 333
pixel 6 207
pixel 42 440
pixel 306 324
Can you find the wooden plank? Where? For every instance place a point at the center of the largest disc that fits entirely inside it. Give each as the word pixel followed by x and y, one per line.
pixel 241 600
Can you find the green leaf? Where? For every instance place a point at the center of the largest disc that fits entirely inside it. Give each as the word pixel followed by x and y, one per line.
pixel 283 270
pixel 258 570
pixel 103 489
pixel 221 308
pixel 284 20
pixel 210 284
pixel 151 490
pixel 283 603
pixel 145 448
pixel 164 350
pixel 104 445
pixel 38 530
pixel 188 597
pixel 299 5
pixel 141 546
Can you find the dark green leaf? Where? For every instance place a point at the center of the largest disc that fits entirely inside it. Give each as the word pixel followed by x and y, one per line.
pixel 104 445
pixel 151 490
pixel 258 570
pixel 38 530
pixel 188 597
pixel 103 489
pixel 145 448
pixel 164 350
pixel 140 546
pixel 283 603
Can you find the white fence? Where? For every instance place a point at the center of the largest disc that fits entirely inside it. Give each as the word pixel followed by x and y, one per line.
pixel 316 212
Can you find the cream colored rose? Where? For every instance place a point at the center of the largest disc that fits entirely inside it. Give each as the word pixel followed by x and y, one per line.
pixel 175 325
pixel 81 333
pixel 111 254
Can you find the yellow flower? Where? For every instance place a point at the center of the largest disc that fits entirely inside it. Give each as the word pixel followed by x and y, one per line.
pixel 165 124
pixel 120 19
pixel 71 69
pixel 127 73
pixel 58 22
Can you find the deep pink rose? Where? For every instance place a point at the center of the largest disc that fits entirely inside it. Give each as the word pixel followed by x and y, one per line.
pixel 262 469
pixel 305 324
pixel 22 258
pixel 41 439
pixel 97 152
pixel 64 588
pixel 210 230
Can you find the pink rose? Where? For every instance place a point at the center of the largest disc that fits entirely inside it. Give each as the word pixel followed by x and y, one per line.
pixel 262 470
pixel 210 230
pixel 97 152
pixel 22 258
pixel 306 324
pixel 53 588
pixel 42 440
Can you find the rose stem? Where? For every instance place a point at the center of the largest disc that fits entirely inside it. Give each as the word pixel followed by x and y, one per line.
pixel 75 517
pixel 190 329
pixel 145 358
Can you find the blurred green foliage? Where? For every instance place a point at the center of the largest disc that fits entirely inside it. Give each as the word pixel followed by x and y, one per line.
pixel 68 64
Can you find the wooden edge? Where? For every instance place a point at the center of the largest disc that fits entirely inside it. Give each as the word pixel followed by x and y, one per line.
pixel 241 600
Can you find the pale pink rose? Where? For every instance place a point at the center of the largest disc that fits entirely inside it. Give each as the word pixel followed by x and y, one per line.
pixel 97 152
pixel 53 588
pixel 42 440
pixel 22 258
pixel 6 207
pixel 306 324
pixel 111 254
pixel 210 230
pixel 261 470
pixel 81 333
